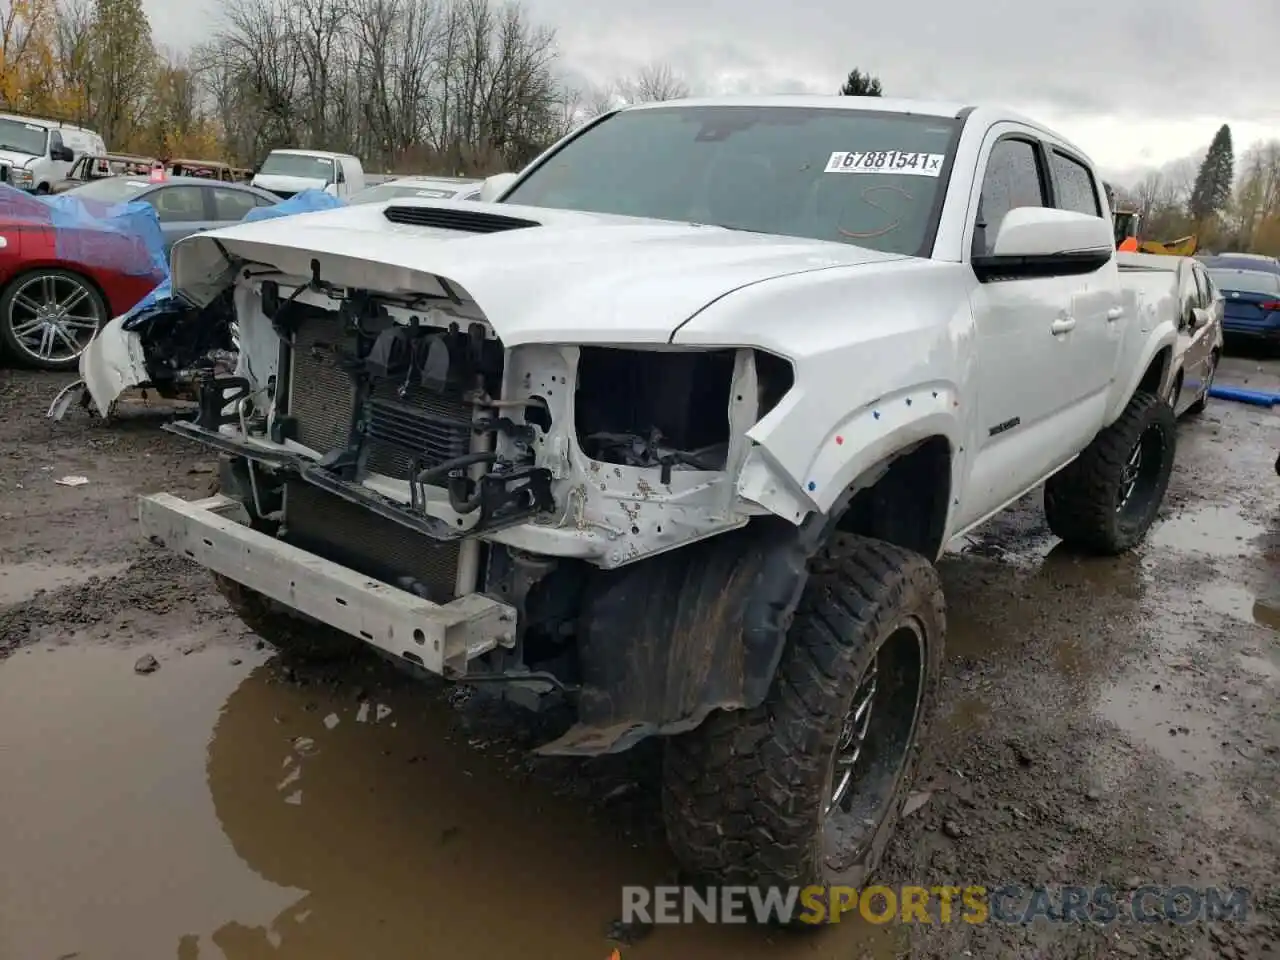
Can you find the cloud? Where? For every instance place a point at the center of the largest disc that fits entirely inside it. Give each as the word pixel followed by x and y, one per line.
pixel 1143 81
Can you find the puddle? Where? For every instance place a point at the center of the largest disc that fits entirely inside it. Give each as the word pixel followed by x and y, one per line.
pixel 22 581
pixel 1218 531
pixel 1149 716
pixel 1266 615
pixel 206 813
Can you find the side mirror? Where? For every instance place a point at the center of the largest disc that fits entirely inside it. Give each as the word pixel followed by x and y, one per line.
pixel 1044 242
pixel 63 153
pixel 1199 317
pixel 495 186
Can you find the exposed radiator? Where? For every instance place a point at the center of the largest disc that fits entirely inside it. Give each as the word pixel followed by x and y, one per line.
pixel 322 395
pixel 350 535
pixel 430 427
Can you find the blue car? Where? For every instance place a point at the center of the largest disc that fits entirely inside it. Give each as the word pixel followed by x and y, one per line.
pixel 1241 261
pixel 1251 301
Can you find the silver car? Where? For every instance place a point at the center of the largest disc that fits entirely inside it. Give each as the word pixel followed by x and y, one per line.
pixel 434 188
pixel 185 205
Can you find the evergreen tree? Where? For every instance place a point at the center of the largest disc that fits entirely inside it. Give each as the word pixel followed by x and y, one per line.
pixel 860 84
pixel 1212 190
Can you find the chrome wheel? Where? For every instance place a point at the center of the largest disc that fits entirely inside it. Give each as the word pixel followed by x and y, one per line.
pixel 853 735
pixel 875 741
pixel 1129 475
pixel 52 317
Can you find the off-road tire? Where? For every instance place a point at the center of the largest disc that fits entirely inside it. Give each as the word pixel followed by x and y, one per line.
pixel 743 794
pixel 294 636
pixel 1203 400
pixel 1080 501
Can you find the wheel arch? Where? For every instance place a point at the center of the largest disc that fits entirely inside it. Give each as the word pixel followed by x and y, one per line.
pixel 717 613
pixel 1152 375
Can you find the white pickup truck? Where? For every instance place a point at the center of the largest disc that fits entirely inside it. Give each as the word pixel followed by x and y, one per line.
pixel 675 427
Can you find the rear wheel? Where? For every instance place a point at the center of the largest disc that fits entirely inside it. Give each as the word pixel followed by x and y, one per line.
pixel 806 788
pixel 48 317
pixel 1106 499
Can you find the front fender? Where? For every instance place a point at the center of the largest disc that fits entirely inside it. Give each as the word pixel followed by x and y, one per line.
pixel 873 434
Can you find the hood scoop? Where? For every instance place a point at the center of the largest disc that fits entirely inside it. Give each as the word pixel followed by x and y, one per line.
pixel 465 221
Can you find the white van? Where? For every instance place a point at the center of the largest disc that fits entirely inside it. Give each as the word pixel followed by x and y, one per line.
pixel 286 172
pixel 37 153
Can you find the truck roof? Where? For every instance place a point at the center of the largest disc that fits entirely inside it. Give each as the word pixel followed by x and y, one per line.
pixel 950 109
pixel 47 122
pixel 314 153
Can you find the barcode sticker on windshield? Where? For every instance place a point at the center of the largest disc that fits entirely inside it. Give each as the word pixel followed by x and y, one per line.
pixel 32 126
pixel 886 161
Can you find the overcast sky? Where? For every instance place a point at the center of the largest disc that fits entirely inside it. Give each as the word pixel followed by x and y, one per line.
pixel 1135 83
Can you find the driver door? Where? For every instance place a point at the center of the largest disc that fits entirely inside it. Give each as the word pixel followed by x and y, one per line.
pixel 1032 405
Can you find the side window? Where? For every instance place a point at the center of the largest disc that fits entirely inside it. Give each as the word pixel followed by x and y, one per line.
pixel 1013 179
pixel 1188 295
pixel 1202 285
pixel 177 204
pixel 1073 185
pixel 55 141
pixel 231 204
pixel 262 201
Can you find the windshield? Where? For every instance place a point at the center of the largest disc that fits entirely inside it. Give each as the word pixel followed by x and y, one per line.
pixel 23 137
pixel 391 191
pixel 298 165
pixel 109 189
pixel 1246 281
pixel 850 176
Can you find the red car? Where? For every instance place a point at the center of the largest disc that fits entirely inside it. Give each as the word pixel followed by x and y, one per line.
pixel 58 285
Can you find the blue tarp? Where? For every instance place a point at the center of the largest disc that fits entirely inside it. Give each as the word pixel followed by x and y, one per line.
pixel 91 233
pixel 161 298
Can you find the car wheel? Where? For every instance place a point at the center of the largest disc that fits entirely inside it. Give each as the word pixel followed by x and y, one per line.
pixel 806 788
pixel 1202 401
pixel 48 317
pixel 1106 499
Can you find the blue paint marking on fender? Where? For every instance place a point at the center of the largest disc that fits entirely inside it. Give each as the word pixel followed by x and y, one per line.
pixel 872 434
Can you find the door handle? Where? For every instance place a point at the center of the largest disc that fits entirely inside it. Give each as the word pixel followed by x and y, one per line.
pixel 1062 325
pixel 1114 314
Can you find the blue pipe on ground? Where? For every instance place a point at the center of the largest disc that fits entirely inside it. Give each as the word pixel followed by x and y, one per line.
pixel 1255 397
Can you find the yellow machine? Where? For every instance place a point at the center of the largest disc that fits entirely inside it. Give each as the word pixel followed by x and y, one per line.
pixel 1127 223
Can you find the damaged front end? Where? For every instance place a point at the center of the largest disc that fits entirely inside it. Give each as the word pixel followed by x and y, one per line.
pixel 167 347
pixel 377 421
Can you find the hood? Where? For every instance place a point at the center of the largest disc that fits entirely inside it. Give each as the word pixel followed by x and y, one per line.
pixel 278 181
pixel 561 277
pixel 17 158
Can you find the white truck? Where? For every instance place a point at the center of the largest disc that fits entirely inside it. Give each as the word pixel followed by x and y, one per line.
pixel 287 172
pixel 35 153
pixel 673 424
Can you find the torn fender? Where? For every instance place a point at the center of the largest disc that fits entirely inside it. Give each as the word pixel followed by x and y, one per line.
pixel 113 362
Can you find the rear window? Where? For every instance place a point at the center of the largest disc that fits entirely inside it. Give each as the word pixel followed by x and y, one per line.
pixel 1246 281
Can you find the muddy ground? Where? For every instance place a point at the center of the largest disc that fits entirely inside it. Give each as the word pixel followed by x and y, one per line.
pixel 1102 721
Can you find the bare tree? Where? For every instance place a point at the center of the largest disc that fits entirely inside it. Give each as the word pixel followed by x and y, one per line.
pixel 654 83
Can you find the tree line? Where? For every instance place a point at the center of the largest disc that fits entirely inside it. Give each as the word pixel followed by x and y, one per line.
pixel 408 85
pixel 1230 203
pixel 443 86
